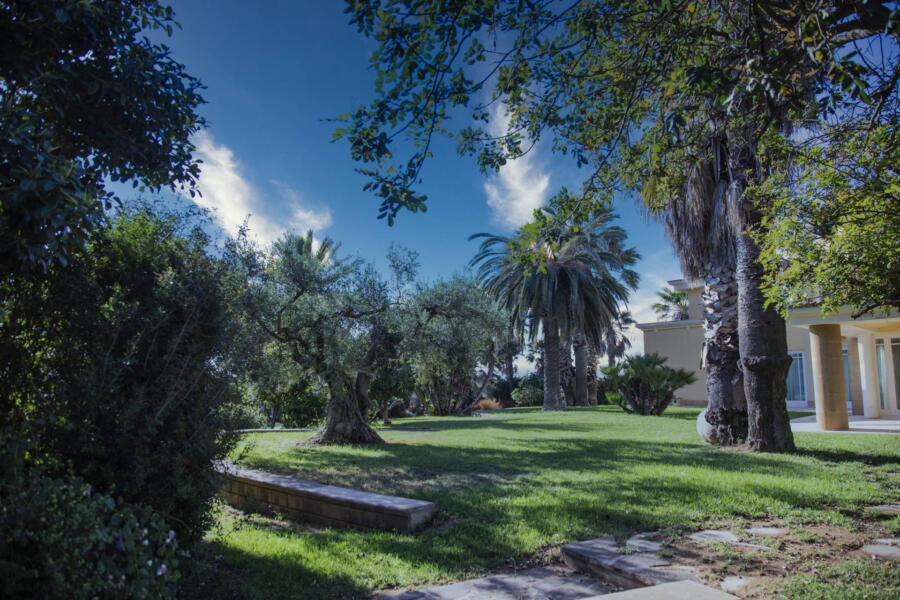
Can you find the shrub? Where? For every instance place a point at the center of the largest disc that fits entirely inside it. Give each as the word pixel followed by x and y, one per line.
pixel 305 403
pixel 488 404
pixel 121 371
pixel 530 391
pixel 58 539
pixel 643 384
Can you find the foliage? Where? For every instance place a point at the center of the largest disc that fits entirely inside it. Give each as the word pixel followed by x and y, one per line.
pixel 523 480
pixel 644 385
pixel 578 272
pixel 634 85
pixel 672 305
pixel 530 391
pixel 500 389
pixel 285 391
pixel 391 387
pixel 85 98
pixel 488 404
pixel 60 539
pixel 464 329
pixel 119 366
pixel 834 222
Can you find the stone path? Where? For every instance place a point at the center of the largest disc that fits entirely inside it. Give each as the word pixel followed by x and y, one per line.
pixel 634 565
pixel 679 590
pixel 541 583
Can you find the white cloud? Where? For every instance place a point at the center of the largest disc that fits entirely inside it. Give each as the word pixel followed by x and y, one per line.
pixel 226 192
pixel 302 217
pixel 519 187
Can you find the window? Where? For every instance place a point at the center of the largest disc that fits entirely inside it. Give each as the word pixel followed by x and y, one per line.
pixel 880 362
pixel 796 379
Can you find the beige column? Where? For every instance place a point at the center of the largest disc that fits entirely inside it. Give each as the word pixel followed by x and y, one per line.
pixel 869 376
pixel 828 377
pixel 855 379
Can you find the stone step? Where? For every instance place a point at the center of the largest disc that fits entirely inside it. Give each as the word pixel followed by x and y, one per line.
pixel 323 504
pixel 678 590
pixel 602 558
pixel 540 583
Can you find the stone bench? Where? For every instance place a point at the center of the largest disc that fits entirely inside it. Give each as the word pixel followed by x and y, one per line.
pixel 322 504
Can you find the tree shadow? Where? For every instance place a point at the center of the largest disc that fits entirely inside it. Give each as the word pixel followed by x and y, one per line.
pixel 570 480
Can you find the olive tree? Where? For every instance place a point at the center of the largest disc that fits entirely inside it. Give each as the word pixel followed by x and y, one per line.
pixel 466 332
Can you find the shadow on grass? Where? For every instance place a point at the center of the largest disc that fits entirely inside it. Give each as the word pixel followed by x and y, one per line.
pixel 514 485
pixel 226 572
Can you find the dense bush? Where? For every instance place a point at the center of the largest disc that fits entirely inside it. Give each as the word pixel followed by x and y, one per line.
pixel 58 539
pixel 305 403
pixel 643 384
pixel 530 391
pixel 118 366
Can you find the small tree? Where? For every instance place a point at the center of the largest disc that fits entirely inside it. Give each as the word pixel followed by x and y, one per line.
pixel 394 382
pixel 465 331
pixel 644 385
pixel 337 317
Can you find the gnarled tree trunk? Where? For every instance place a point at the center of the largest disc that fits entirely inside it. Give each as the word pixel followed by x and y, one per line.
pixel 727 409
pixel 551 364
pixel 761 331
pixel 346 416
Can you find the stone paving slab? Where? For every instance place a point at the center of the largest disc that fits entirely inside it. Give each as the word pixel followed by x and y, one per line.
pixel 679 590
pixel 885 510
pixel 710 535
pixel 541 583
pixel 772 531
pixel 882 551
pixel 320 503
pixel 601 558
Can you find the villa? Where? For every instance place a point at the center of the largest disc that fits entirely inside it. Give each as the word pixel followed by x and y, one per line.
pixel 841 366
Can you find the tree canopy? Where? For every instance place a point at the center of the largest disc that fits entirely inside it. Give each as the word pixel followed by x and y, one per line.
pixel 86 98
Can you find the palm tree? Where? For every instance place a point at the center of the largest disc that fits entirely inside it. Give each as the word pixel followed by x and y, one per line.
pixel 700 223
pixel 573 278
pixel 616 342
pixel 672 305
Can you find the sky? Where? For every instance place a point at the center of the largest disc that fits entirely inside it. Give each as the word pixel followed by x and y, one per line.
pixel 275 71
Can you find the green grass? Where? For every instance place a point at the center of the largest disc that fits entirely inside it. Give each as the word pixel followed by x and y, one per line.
pixel 859 579
pixel 511 484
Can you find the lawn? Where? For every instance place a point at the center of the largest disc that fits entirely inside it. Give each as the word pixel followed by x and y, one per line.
pixel 514 484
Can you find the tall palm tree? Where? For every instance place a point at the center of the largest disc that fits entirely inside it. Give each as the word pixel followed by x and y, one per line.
pixel 701 225
pixel 573 278
pixel 672 305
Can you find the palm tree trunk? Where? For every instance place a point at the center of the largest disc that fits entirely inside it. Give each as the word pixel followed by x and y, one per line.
pixel 590 360
pixel 726 411
pixel 581 384
pixel 761 331
pixel 566 375
pixel 551 363
pixel 509 371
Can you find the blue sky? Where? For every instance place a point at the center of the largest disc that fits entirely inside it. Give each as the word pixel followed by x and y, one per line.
pixel 274 71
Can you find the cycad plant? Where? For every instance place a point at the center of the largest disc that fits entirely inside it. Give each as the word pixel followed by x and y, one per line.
pixel 558 276
pixel 644 385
